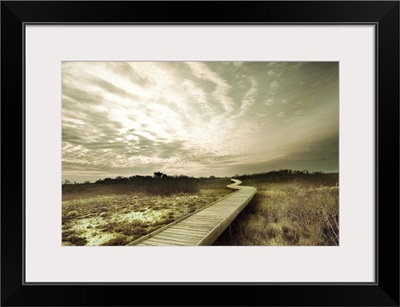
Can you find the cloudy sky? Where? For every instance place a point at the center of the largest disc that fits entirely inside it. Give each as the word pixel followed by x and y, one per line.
pixel 198 118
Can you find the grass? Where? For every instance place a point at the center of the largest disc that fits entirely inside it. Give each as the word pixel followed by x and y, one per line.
pixel 116 214
pixel 294 210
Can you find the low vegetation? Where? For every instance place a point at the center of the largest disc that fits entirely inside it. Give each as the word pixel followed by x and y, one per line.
pixel 290 208
pixel 120 210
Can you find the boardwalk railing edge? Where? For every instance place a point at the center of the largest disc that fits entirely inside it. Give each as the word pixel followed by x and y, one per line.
pixel 234 185
pixel 220 228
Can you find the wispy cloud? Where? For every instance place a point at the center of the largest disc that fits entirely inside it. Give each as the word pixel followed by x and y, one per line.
pixel 269 102
pixel 274 85
pixel 249 98
pixel 220 93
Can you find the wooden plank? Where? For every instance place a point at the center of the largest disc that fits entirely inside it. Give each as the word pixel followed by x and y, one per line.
pixel 197 224
pixel 180 227
pixel 172 240
pixel 185 233
pixel 176 236
pixel 208 216
pixel 162 242
pixel 212 215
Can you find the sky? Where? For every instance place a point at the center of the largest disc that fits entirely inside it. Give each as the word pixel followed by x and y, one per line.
pixel 198 118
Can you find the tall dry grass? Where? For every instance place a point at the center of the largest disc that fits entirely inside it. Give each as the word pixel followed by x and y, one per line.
pixel 298 211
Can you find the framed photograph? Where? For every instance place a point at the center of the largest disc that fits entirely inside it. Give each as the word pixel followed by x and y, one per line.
pixel 200 148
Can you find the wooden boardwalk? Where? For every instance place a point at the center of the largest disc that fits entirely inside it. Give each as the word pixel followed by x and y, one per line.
pixel 204 226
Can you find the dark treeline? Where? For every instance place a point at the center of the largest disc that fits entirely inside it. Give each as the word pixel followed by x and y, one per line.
pixel 286 175
pixel 155 185
pixel 158 177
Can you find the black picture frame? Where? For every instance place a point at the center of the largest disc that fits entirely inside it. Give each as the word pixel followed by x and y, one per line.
pixel 383 14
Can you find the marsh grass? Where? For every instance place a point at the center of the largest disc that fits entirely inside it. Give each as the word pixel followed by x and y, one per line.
pixel 297 211
pixel 116 214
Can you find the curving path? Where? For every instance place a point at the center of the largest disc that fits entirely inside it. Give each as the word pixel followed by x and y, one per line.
pixel 204 226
